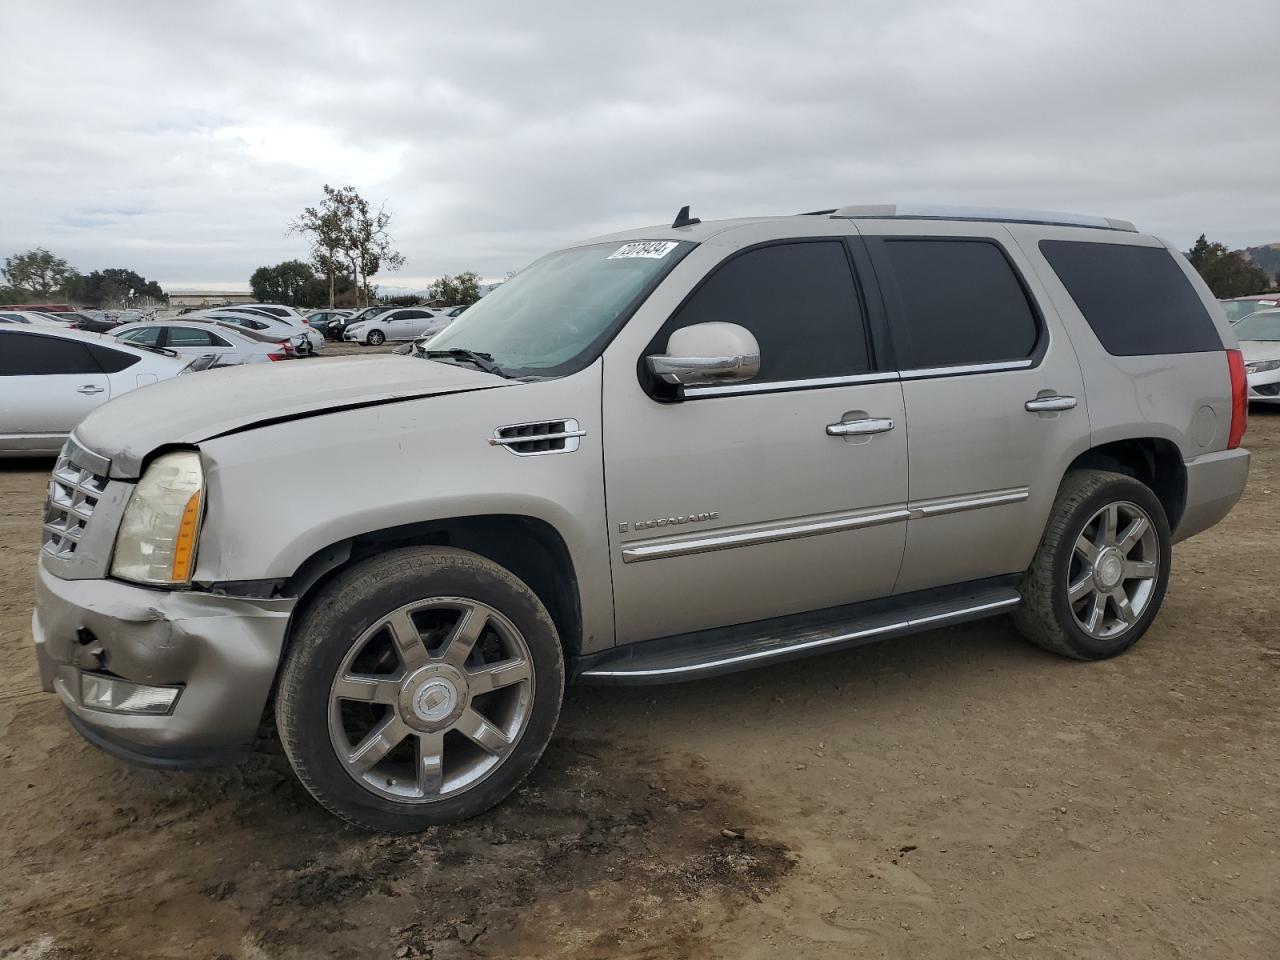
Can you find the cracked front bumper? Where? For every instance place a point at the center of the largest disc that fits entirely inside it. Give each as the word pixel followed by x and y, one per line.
pixel 222 652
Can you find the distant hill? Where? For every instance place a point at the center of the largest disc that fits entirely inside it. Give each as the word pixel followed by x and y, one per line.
pixel 1266 256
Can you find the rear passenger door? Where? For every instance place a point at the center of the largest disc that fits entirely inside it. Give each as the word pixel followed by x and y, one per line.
pixel 47 386
pixel 406 324
pixel 993 393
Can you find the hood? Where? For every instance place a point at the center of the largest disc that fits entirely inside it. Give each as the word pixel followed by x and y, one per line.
pixel 1255 350
pixel 198 406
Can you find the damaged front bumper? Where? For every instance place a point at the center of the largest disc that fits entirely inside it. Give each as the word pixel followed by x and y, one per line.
pixel 220 652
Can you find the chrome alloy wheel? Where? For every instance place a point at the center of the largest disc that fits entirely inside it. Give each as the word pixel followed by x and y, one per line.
pixel 431 699
pixel 1112 574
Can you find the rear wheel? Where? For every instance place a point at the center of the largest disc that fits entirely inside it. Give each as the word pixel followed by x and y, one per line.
pixel 421 688
pixel 1100 574
pixel 377 338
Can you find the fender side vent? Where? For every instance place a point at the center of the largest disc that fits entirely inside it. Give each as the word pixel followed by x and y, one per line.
pixel 535 439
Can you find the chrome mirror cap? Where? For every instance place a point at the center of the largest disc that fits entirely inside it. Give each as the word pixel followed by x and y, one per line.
pixel 707 353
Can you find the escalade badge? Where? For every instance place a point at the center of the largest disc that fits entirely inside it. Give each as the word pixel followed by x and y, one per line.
pixel 670 521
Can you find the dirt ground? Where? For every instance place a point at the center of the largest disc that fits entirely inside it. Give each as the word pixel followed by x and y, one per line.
pixel 954 794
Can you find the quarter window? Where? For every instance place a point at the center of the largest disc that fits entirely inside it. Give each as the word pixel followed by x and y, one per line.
pixel 800 302
pixel 112 361
pixel 27 354
pixel 960 303
pixel 1137 300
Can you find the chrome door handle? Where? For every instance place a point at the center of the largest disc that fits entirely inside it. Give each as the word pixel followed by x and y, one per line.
pixel 88 388
pixel 1050 404
pixel 859 428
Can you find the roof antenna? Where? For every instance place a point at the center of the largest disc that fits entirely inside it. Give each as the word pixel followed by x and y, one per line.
pixel 683 219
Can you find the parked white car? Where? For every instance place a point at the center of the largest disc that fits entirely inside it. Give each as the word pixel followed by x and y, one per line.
pixel 31 317
pixel 406 323
pixel 1259 335
pixel 200 338
pixel 51 379
pixel 309 340
pixel 263 326
pixel 292 316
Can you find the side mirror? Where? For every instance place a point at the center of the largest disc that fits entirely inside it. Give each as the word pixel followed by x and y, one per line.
pixel 705 354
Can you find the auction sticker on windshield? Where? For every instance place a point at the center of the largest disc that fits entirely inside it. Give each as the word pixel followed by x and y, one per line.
pixel 650 249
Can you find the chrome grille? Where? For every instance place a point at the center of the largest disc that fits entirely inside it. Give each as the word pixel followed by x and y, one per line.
pixel 74 492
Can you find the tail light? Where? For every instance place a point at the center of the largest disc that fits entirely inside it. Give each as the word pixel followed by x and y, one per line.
pixel 1239 398
pixel 283 352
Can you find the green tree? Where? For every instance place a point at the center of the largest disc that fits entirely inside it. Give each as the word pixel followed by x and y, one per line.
pixel 1229 273
pixel 462 290
pixel 111 286
pixel 37 271
pixel 284 283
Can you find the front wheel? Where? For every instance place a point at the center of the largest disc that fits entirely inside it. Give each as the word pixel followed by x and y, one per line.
pixel 377 338
pixel 421 688
pixel 1100 574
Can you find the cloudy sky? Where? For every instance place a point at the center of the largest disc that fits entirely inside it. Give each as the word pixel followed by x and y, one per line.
pixel 179 139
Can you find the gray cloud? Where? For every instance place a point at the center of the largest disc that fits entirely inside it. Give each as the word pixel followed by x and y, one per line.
pixel 179 139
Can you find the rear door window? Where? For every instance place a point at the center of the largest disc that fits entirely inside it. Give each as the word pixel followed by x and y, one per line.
pixel 1137 300
pixel 958 302
pixel 192 337
pixel 798 299
pixel 29 354
pixel 145 335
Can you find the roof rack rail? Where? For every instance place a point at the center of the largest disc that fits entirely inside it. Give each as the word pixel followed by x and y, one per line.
pixel 904 211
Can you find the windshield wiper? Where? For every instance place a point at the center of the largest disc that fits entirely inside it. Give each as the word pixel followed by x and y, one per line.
pixel 482 360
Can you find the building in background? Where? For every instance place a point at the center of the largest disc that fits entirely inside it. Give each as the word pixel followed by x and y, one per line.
pixel 199 299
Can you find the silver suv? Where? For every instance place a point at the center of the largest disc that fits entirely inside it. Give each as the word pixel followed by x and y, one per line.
pixel 660 455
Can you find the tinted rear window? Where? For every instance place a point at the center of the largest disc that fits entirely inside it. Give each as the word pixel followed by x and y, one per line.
pixel 30 354
pixel 961 304
pixel 1137 299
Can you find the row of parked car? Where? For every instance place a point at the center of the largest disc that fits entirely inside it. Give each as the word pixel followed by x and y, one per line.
pixel 57 366
pixel 376 325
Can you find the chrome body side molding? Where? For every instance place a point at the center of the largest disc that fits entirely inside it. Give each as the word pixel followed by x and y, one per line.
pixel 728 538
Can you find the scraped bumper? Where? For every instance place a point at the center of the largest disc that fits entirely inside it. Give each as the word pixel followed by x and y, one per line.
pixel 220 652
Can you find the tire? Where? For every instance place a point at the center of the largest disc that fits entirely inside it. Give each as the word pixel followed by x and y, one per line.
pixel 377 338
pixel 1078 561
pixel 406 751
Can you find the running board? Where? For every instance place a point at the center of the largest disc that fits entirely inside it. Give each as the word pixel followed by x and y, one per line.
pixel 728 649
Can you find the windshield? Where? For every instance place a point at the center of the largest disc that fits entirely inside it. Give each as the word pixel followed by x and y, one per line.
pixel 555 316
pixel 1259 326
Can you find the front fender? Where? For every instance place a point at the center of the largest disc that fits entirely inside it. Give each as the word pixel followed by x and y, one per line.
pixel 279 494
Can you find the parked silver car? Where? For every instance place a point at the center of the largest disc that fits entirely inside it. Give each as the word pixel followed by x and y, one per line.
pixel 52 377
pixel 404 323
pixel 645 458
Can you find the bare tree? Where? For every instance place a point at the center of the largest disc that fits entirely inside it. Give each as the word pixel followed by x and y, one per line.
pixel 369 243
pixel 327 227
pixel 346 234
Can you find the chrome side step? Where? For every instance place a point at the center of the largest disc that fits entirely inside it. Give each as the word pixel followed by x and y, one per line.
pixel 728 649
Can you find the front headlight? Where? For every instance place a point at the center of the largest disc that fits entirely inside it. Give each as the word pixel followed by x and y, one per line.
pixel 1262 366
pixel 157 539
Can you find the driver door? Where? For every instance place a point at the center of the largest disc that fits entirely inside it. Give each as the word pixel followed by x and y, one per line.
pixel 736 503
